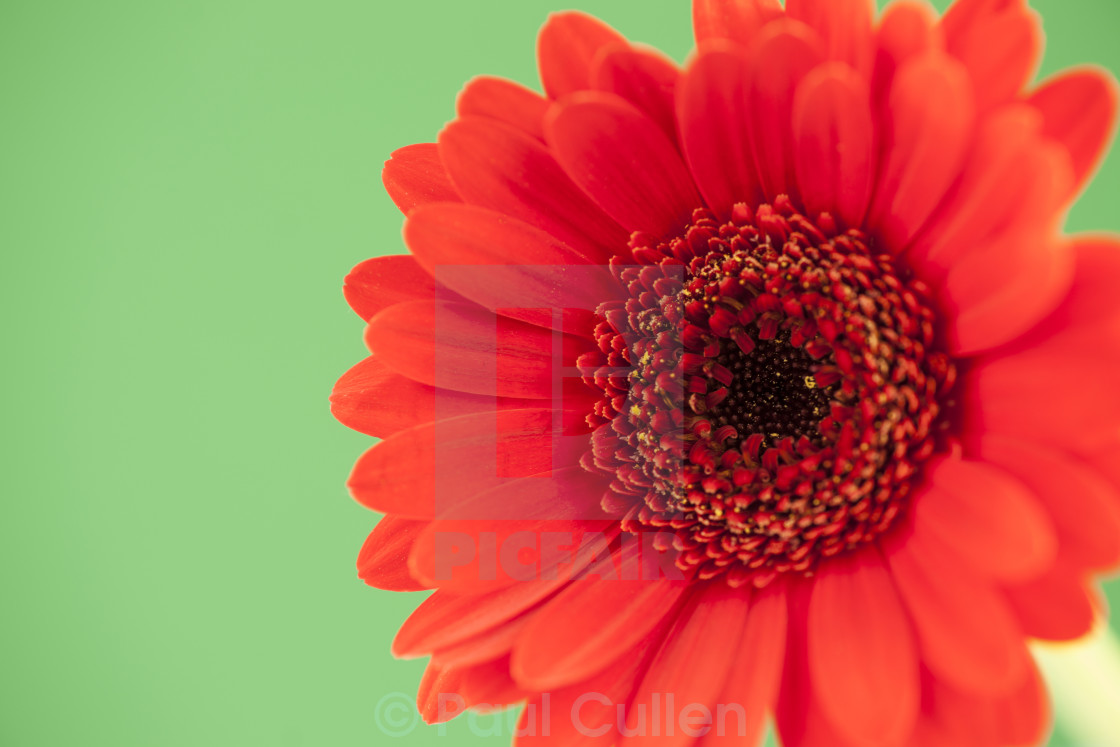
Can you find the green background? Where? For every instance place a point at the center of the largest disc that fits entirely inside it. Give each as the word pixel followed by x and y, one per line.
pixel 184 186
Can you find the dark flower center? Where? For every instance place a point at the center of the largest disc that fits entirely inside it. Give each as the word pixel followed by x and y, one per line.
pixel 773 392
pixel 782 389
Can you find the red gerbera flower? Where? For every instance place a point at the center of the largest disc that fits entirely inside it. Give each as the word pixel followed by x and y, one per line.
pixel 766 385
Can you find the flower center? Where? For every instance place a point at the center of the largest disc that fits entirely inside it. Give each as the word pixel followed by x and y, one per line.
pixel 781 390
pixel 773 392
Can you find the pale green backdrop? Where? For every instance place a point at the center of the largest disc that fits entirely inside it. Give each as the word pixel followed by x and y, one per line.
pixel 183 186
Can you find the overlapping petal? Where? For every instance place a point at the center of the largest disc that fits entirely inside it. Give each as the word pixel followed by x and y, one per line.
pixel 733 20
pixel 592 622
pixel 415 175
pixel 505 101
pixel 715 116
pixel 927 136
pixel 624 161
pixel 1079 111
pixel 780 56
pixel 835 142
pixel 863 660
pixel 1000 41
pixel 1053 385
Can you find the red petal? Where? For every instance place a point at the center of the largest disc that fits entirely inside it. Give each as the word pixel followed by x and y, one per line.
pixel 756 671
pixel 526 274
pixel 929 734
pixel 414 175
pixel 715 117
pixel 492 644
pixel 505 101
pixel 568 494
pixel 374 399
pixel 1079 111
pixel 383 561
pixel 588 625
pixel 446 691
pixel 645 78
pixel 383 281
pixel 1054 607
pixel 962 719
pixel 530 537
pixel 833 129
pixel 1056 384
pixel 694 660
pixel 487 686
pixel 1092 299
pixel 443 619
pixel 1062 393
pixel 1000 41
pixel 843 25
pixel 1083 508
pixel 735 20
pixel 798 716
pixel 1103 458
pixel 623 160
pixel 966 632
pixel 906 30
pixel 862 655
pixel 1024 718
pixel 1002 287
pixel 432 699
pixel 589 711
pixel 499 167
pixel 1008 150
pixel 989 520
pixel 1018 718
pixel 566 49
pixel 464 347
pixel 469 556
pixel 782 54
pixel 359 399
pixel 422 471
pixel 930 131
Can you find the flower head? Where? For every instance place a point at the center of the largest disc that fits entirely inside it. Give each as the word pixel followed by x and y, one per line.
pixel 768 384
